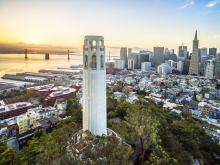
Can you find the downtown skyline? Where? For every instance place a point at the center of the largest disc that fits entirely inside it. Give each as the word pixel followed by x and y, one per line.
pixel 142 24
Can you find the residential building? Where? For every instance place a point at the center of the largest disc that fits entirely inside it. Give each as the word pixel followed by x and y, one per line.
pixel 194 62
pixel 25 121
pixel 214 112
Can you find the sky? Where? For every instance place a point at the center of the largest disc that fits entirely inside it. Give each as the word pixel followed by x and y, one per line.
pixel 123 23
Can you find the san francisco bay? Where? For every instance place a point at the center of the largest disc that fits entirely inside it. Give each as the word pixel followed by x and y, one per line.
pixel 16 63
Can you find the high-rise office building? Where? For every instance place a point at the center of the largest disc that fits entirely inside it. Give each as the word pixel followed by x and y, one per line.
pixel 166 52
pixel 217 69
pixel 169 62
pixel 213 51
pixel 158 56
pixel 180 66
pixel 119 64
pixel 218 57
pixel 123 55
pixel 194 62
pixel 129 51
pixel 171 51
pixel 209 68
pixel 186 64
pixel 94 85
pixel 146 66
pixel 163 68
pixel 130 64
pixel 143 56
pixel 182 52
pixel 203 52
pixel 202 63
pixel 134 56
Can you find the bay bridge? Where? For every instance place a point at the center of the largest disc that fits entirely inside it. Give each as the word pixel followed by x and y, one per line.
pixel 47 55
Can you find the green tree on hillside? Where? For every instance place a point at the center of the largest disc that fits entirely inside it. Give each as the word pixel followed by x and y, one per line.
pixel 72 105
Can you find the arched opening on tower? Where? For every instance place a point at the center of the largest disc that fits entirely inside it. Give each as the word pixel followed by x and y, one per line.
pixel 101 43
pixel 85 61
pixel 94 62
pixel 102 61
pixel 94 43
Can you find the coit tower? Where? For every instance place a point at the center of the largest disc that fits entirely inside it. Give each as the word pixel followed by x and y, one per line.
pixel 94 85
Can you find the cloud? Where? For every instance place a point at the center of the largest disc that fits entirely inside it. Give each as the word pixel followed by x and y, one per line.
pixel 217 36
pixel 189 4
pixel 212 3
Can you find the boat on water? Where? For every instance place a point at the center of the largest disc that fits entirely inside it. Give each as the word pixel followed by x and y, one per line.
pixel 76 66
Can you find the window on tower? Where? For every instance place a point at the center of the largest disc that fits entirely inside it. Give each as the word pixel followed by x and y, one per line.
pixel 94 43
pixel 101 43
pixel 85 61
pixel 93 65
pixel 102 62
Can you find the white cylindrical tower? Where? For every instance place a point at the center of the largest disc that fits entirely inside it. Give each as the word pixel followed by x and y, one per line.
pixel 94 85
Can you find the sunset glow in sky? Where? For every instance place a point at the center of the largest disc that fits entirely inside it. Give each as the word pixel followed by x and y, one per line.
pixel 131 23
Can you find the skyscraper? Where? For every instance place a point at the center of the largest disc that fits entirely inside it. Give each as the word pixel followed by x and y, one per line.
pixel 213 51
pixel 203 51
pixel 130 64
pixel 158 56
pixel 123 55
pixel 94 85
pixel 209 68
pixel 143 56
pixel 129 51
pixel 194 62
pixel 134 56
pixel 182 52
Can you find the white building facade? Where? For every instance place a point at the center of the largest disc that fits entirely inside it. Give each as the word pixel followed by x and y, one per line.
pixel 180 66
pixel 163 68
pixel 120 64
pixel 130 64
pixel 94 85
pixel 209 68
pixel 146 66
